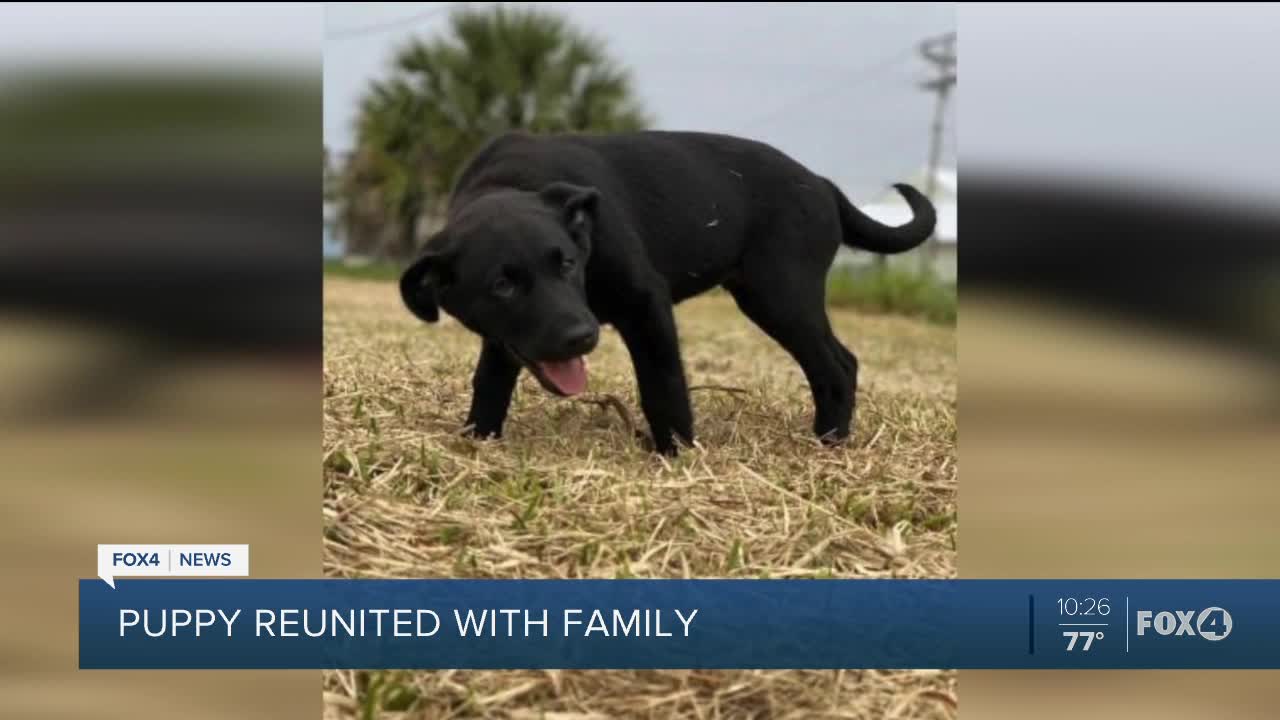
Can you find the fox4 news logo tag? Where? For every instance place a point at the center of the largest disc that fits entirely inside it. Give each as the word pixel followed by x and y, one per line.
pixel 1213 623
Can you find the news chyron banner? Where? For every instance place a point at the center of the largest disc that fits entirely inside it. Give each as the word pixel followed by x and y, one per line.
pixel 227 622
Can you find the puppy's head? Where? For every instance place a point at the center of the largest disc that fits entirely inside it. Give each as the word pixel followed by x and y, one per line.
pixel 510 267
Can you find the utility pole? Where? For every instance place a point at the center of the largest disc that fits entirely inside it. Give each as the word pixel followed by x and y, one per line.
pixel 941 53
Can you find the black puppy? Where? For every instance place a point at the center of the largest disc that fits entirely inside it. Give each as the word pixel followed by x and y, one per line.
pixel 547 237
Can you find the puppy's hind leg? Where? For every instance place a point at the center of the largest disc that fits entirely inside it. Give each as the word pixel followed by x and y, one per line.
pixel 848 361
pixel 796 318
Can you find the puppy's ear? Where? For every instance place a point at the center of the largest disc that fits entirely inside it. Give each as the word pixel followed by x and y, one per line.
pixel 421 282
pixel 577 205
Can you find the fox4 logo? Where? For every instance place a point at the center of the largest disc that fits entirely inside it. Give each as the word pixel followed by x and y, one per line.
pixel 1212 623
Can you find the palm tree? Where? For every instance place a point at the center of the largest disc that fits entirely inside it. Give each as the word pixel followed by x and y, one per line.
pixel 385 193
pixel 495 70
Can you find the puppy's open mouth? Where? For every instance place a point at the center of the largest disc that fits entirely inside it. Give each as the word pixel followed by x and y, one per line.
pixel 559 377
pixel 563 377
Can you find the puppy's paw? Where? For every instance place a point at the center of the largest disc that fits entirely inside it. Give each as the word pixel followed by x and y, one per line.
pixel 670 448
pixel 834 438
pixel 645 440
pixel 480 433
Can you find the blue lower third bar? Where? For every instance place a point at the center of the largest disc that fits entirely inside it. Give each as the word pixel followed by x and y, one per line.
pixel 694 624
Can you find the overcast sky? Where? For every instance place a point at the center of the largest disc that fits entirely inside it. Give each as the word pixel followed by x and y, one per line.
pixel 161 35
pixel 1184 94
pixel 835 86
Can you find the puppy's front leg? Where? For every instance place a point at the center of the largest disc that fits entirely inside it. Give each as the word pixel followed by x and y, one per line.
pixel 649 331
pixel 492 385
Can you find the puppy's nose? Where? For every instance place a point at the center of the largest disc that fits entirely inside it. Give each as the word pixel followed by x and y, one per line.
pixel 581 339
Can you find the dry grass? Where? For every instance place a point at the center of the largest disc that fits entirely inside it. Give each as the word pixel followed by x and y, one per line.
pixel 570 494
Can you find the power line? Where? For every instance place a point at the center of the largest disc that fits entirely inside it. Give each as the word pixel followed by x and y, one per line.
pixel 897 144
pixel 845 82
pixel 940 52
pixel 388 25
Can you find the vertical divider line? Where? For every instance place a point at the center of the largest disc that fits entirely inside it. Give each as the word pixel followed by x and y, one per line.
pixel 1031 624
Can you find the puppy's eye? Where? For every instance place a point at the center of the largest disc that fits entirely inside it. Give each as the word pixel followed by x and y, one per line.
pixel 567 266
pixel 502 287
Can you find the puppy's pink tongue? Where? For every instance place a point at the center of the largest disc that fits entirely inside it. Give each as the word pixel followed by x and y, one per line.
pixel 569 376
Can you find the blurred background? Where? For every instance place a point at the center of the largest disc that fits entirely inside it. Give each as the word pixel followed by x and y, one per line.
pixel 160 346
pixel 1120 328
pixel 862 94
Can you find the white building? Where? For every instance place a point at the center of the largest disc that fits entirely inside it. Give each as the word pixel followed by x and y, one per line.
pixel 890 209
pixel 334 243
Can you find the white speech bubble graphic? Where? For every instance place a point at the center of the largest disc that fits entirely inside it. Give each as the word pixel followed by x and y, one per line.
pixel 188 560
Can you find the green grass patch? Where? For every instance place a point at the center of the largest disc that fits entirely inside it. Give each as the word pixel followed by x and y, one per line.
pixel 893 290
pixel 380 270
pixel 886 290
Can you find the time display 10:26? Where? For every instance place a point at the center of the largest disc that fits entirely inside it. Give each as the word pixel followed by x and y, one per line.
pixel 1084 607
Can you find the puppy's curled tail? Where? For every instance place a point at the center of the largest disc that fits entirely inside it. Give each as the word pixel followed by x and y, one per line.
pixel 861 231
